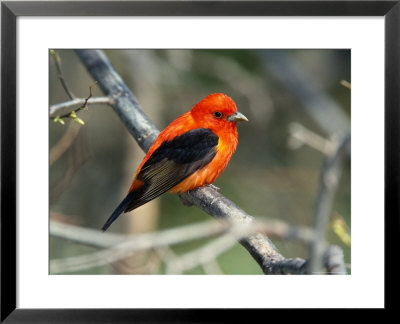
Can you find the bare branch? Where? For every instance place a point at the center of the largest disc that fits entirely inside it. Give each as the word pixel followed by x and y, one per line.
pixel 329 181
pixel 65 108
pixel 276 228
pixel 175 263
pixel 221 208
pixel 60 75
pixel 212 267
pixel 346 84
pixel 122 246
pixel 84 235
pixel 279 229
pixel 320 106
pixel 64 143
pixel 125 103
pixel 334 260
pixel 72 114
pixel 300 135
pixel 201 256
pixel 77 153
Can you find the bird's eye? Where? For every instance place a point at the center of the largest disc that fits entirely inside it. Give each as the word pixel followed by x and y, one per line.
pixel 217 114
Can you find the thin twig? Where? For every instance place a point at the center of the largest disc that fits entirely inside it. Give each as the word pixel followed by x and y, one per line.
pixel 78 153
pixel 65 108
pixel 64 143
pixel 83 106
pixel 346 84
pixel 60 75
pixel 300 135
pixel 281 230
pixel 90 95
pixel 201 256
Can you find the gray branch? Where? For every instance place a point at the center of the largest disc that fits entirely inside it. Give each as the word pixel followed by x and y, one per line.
pixel 328 183
pixel 209 200
pixel 115 247
pixel 97 239
pixel 321 107
pixel 125 103
pixel 118 247
pixel 67 107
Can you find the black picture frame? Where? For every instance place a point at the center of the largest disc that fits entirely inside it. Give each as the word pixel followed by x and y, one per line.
pixel 11 10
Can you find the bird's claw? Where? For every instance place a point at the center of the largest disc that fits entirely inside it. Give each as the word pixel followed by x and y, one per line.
pixel 213 187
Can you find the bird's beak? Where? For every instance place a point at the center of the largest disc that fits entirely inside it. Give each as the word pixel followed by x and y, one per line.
pixel 237 117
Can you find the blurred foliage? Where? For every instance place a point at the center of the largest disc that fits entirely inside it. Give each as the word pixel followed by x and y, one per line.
pixel 265 177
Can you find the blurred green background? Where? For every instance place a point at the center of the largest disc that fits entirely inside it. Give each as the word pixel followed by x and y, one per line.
pixel 271 175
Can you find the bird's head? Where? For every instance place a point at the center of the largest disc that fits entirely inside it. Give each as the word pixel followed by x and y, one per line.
pixel 217 111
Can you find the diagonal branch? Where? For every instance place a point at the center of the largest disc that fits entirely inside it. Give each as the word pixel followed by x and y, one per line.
pixel 125 103
pixel 209 200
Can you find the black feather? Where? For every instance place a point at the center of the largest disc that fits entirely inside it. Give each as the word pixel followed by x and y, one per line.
pixel 170 163
pixel 118 211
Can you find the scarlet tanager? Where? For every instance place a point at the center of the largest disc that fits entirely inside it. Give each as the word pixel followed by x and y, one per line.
pixel 189 153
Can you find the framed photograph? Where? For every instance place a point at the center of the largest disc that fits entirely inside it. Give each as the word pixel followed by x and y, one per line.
pixel 310 87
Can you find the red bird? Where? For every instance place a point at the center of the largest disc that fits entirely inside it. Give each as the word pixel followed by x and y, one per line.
pixel 189 153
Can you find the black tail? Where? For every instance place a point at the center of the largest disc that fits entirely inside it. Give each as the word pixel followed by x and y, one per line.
pixel 118 211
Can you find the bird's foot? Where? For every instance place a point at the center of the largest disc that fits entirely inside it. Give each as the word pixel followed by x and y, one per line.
pixel 185 201
pixel 213 187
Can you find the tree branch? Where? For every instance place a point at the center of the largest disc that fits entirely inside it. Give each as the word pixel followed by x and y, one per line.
pixel 60 74
pixel 222 209
pixel 64 143
pixel 201 256
pixel 125 103
pixel 300 135
pixel 328 183
pixel 72 114
pixel 65 108
pixel 119 246
pixel 320 107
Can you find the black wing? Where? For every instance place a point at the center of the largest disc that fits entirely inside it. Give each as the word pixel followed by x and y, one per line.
pixel 173 162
